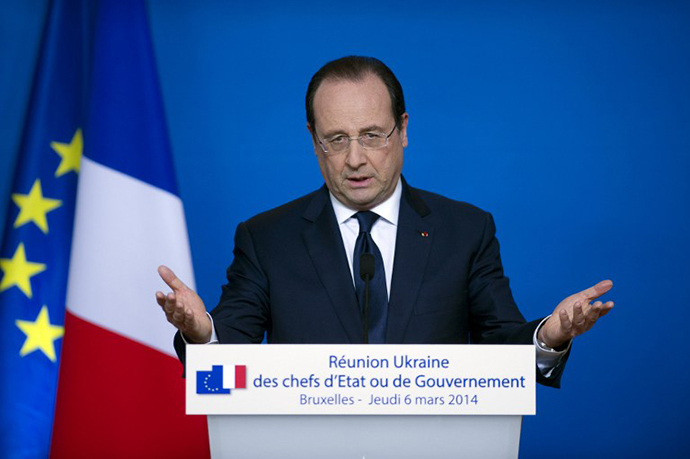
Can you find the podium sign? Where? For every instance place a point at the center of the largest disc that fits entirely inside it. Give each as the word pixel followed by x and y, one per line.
pixel 361 380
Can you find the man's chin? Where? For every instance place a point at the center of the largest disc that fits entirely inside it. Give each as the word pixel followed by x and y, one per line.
pixel 361 201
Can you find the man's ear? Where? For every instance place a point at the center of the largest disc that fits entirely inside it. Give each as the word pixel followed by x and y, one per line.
pixel 403 129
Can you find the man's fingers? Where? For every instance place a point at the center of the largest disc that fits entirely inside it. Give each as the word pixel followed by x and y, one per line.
pixel 160 299
pixel 578 317
pixel 170 278
pixel 606 308
pixel 178 317
pixel 597 290
pixel 170 303
pixel 593 310
pixel 177 314
pixel 184 320
pixel 593 314
pixel 566 323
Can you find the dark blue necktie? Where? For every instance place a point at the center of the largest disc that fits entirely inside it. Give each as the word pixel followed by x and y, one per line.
pixel 378 296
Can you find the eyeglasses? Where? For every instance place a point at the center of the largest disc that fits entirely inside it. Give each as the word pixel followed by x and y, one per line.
pixel 369 141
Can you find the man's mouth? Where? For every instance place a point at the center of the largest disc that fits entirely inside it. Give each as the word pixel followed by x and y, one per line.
pixel 359 181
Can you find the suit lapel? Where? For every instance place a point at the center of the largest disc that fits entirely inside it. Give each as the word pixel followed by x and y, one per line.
pixel 412 247
pixel 325 246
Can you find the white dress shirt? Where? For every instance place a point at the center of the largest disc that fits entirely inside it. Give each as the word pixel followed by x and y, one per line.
pixel 384 231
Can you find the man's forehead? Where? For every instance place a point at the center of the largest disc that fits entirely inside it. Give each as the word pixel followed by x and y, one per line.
pixel 362 101
pixel 343 84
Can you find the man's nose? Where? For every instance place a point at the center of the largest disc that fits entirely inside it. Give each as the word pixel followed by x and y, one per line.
pixel 356 156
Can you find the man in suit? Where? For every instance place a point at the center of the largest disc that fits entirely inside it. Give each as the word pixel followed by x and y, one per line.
pixel 433 263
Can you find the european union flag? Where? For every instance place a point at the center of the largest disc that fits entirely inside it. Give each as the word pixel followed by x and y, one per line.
pixel 35 251
pixel 211 382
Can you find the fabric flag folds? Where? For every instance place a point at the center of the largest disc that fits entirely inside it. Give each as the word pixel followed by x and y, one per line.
pixel 36 241
pixel 95 124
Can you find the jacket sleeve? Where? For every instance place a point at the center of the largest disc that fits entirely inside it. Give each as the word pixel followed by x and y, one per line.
pixel 494 316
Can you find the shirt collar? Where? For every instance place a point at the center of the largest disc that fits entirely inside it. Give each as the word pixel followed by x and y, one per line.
pixel 388 209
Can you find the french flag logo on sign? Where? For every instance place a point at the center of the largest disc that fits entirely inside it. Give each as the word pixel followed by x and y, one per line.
pixel 218 381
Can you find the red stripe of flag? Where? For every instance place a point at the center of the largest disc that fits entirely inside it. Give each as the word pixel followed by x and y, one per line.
pixel 240 376
pixel 119 398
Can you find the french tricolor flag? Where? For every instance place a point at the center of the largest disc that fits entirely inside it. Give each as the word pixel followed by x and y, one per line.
pixel 236 379
pixel 120 390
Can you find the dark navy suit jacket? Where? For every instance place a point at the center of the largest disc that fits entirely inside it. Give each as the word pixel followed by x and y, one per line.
pixel 290 278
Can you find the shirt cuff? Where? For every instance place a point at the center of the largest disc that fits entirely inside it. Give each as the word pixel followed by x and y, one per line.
pixel 214 337
pixel 547 359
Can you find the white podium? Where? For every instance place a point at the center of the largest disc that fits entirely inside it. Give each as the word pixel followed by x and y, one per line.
pixel 320 401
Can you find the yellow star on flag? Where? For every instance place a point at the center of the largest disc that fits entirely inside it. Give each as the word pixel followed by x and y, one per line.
pixel 70 154
pixel 33 207
pixel 18 272
pixel 40 335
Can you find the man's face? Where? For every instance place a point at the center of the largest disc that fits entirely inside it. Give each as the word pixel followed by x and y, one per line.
pixel 357 177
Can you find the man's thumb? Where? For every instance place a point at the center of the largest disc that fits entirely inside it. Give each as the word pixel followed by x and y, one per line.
pixel 599 289
pixel 170 278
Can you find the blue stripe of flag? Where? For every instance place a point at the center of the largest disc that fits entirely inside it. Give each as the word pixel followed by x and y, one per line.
pixel 134 114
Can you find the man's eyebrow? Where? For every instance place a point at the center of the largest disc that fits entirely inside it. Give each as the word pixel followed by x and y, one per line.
pixel 336 132
pixel 332 133
pixel 372 128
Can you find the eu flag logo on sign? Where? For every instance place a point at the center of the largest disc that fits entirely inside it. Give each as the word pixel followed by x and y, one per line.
pixel 213 382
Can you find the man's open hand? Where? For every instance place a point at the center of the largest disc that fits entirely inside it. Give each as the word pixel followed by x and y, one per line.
pixel 575 315
pixel 183 308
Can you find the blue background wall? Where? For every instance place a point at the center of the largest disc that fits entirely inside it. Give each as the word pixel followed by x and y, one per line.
pixel 569 122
